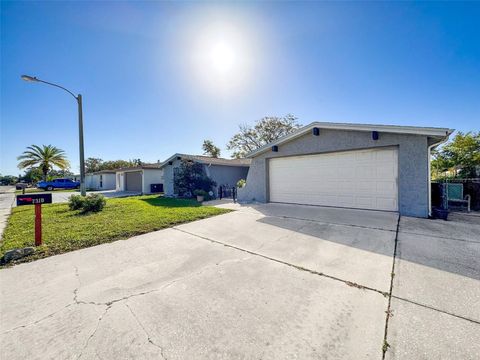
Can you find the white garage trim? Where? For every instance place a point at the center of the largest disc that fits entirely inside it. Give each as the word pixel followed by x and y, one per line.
pixel 363 179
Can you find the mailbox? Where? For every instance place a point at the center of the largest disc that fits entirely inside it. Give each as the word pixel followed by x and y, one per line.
pixel 33 199
pixel 37 200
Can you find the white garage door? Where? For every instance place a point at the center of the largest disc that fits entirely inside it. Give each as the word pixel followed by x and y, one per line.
pixel 365 179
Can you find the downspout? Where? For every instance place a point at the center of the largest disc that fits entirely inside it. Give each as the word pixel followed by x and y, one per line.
pixel 430 173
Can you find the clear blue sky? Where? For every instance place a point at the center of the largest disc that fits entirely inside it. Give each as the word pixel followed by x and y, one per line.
pixel 158 78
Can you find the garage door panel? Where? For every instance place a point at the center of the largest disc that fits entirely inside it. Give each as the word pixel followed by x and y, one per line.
pixel 386 203
pixel 133 181
pixel 385 187
pixel 386 171
pixel 360 179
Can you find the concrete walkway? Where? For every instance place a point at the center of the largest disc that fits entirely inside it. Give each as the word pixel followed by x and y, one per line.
pixel 7 198
pixel 264 282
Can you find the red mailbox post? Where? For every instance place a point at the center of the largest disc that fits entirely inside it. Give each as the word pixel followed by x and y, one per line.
pixel 37 200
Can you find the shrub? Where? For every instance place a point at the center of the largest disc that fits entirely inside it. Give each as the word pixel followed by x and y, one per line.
pixel 89 203
pixel 200 192
pixel 241 183
pixel 94 203
pixel 75 202
pixel 191 176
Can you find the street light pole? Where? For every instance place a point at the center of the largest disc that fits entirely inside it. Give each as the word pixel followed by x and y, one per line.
pixel 80 144
pixel 80 127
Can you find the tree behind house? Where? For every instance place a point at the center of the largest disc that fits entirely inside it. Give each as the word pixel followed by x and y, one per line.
pixel 96 164
pixel 265 131
pixel 460 156
pixel 210 149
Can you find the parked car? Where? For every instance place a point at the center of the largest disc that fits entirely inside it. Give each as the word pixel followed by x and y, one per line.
pixel 58 184
pixel 21 185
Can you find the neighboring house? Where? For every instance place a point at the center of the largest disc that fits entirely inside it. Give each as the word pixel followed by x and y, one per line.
pixel 101 180
pixel 145 179
pixel 379 167
pixel 225 172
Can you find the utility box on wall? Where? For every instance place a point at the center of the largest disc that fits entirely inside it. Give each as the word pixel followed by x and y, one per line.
pixel 156 188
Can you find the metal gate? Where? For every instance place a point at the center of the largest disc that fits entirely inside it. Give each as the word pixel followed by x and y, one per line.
pixel 227 192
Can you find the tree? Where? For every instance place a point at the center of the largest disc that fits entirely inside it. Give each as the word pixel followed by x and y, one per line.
pixel 31 175
pixel 117 164
pixel 191 176
pixel 97 164
pixel 54 174
pixel 45 158
pixel 265 131
pixel 8 179
pixel 439 163
pixel 93 164
pixel 136 162
pixel 210 149
pixel 461 154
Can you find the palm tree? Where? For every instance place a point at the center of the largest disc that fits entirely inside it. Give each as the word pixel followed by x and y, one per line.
pixel 45 158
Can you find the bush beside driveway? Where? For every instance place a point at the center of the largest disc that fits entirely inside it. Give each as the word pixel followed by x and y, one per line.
pixel 65 230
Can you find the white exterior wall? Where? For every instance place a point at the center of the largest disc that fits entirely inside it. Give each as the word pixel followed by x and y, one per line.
pixel 92 181
pixel 151 176
pixel 120 181
pixel 108 182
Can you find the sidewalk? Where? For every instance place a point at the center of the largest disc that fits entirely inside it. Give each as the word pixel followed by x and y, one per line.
pixel 7 197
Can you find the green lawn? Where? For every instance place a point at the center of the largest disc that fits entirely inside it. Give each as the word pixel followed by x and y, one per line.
pixel 65 230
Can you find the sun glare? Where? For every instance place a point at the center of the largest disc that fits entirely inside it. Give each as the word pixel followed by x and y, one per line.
pixel 221 56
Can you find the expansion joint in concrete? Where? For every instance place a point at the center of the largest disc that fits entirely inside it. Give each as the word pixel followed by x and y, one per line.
pixel 298 267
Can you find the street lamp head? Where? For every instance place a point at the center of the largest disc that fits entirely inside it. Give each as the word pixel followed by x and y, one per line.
pixel 29 78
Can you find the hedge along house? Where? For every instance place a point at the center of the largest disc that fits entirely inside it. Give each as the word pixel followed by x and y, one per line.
pixel 145 179
pixel 225 172
pixel 379 167
pixel 101 180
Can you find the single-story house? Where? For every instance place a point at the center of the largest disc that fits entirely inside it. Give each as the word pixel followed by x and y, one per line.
pixel 145 179
pixel 101 180
pixel 225 172
pixel 379 167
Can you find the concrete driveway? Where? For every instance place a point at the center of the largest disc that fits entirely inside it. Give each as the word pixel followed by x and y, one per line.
pixel 264 282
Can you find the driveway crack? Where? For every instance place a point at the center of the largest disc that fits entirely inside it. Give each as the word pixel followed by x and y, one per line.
pixel 39 320
pixel 389 312
pixel 94 331
pixel 149 339
pixel 162 287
